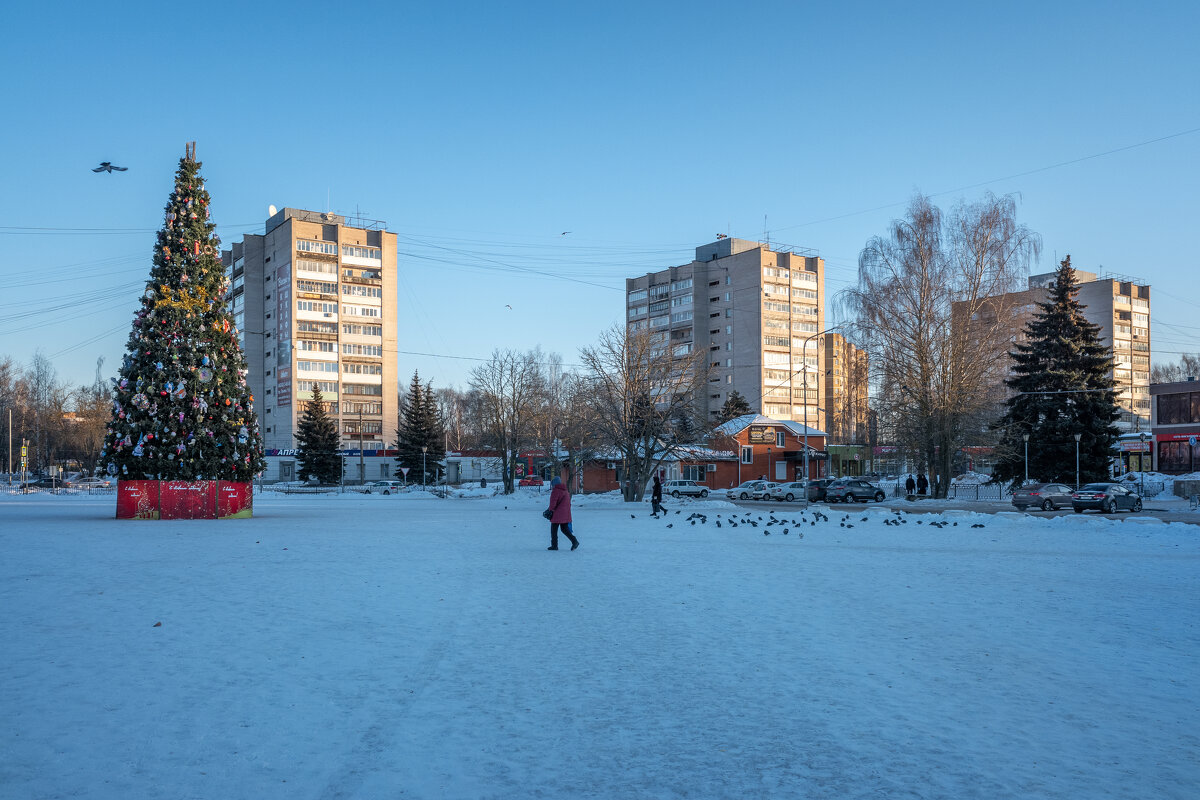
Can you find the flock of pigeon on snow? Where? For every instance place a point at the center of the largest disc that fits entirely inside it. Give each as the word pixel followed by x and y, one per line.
pixel 753 520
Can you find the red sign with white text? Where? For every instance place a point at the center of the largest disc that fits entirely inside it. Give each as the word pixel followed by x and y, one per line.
pixel 188 500
pixel 137 499
pixel 234 500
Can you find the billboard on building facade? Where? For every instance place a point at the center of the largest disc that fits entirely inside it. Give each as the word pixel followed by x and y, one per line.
pixel 761 434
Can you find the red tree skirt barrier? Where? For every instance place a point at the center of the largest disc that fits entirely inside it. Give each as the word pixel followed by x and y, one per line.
pixel 184 499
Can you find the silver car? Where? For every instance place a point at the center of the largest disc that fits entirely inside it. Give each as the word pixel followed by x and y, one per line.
pixel 745 491
pixel 789 492
pixel 677 488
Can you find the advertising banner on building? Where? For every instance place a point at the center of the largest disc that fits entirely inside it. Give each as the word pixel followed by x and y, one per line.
pixel 187 499
pixel 234 500
pixel 137 499
pixel 761 434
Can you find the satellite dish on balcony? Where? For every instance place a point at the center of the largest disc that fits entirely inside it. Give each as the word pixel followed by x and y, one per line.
pixel 271 211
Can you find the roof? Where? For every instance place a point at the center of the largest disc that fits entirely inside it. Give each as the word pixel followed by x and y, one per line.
pixel 739 424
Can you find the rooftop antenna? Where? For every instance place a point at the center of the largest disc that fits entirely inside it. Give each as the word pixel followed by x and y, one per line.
pixel 766 233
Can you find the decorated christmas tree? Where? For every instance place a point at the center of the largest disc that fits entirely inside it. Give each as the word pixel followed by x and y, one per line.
pixel 181 409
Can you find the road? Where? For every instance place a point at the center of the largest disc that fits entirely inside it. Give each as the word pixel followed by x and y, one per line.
pixel 1165 512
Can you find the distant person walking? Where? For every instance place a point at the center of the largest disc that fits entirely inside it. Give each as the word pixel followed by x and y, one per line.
pixel 922 484
pixel 910 485
pixel 560 514
pixel 656 497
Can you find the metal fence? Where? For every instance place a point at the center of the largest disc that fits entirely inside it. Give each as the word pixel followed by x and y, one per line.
pixel 15 488
pixel 978 491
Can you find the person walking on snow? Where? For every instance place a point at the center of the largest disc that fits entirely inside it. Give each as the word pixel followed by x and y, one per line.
pixel 922 483
pixel 910 485
pixel 656 497
pixel 560 514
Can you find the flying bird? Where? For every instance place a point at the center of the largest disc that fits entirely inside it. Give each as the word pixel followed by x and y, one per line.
pixel 506 305
pixel 107 166
pixel 564 233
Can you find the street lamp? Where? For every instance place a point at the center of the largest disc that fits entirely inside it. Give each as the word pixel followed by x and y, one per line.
pixel 1027 458
pixel 1078 437
pixel 770 472
pixel 1142 463
pixel 425 448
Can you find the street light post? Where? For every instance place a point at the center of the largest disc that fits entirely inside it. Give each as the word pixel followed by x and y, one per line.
pixel 1142 464
pixel 1078 437
pixel 424 449
pixel 770 472
pixel 1027 458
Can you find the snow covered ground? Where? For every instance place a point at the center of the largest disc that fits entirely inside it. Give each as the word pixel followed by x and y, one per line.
pixel 365 647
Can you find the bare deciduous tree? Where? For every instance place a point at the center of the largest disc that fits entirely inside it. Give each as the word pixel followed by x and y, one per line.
pixel 509 388
pixel 640 387
pixel 932 310
pixel 1188 366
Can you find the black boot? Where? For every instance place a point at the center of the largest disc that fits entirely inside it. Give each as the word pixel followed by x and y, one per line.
pixel 574 543
pixel 552 547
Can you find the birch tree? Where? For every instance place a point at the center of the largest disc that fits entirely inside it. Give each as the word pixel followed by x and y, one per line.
pixel 508 389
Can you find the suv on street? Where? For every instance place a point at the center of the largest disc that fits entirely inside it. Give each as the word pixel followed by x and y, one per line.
pixel 677 488
pixel 852 490
pixel 789 492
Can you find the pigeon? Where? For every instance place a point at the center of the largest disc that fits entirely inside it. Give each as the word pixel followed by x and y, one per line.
pixel 107 166
pixel 631 516
pixel 718 523
pixel 670 524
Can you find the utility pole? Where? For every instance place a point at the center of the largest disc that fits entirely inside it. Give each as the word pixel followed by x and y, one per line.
pixel 362 473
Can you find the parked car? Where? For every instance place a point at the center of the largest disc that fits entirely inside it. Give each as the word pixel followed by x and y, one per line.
pixel 91 483
pixel 789 492
pixel 746 490
pixel 1105 497
pixel 384 487
pixel 677 488
pixel 1046 496
pixel 764 492
pixel 851 490
pixel 531 480
pixel 817 489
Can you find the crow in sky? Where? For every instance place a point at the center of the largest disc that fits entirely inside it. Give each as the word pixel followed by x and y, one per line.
pixel 107 166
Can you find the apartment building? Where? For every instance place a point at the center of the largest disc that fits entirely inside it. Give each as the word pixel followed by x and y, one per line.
pixel 845 383
pixel 756 311
pixel 314 300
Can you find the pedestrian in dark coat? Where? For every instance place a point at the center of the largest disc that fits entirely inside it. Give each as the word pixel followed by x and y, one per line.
pixel 922 483
pixel 656 496
pixel 910 485
pixel 560 514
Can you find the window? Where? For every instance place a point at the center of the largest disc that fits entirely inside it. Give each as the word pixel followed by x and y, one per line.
pixel 362 388
pixel 361 369
pixel 682 300
pixel 306 246
pixel 315 347
pixel 677 286
pixel 637 311
pixel 309 265
pixel 658 322
pixel 317 366
pixel 1179 408
pixel 319 287
pixel 661 305
pixel 729 379
pixel 682 316
pixel 358 251
pixel 309 326
pixel 349 407
pixel 779 438
pixel 313 305
pixel 362 311
pixel 769 305
pixel 366 426
pixel 362 330
pixel 361 349
pixel 327 387
pixel 354 290
pixel 747 455
pixel 639 294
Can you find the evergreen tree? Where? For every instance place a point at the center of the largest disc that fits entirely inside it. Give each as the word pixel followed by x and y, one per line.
pixel 735 406
pixel 1062 383
pixel 434 431
pixel 181 409
pixel 409 430
pixel 318 442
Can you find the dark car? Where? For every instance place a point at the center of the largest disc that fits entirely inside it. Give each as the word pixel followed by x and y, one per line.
pixel 1105 497
pixel 817 489
pixel 1046 496
pixel 852 490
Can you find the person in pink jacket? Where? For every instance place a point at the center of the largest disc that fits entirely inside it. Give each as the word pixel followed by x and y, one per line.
pixel 560 514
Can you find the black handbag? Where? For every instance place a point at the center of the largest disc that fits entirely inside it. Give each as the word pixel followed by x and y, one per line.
pixel 548 514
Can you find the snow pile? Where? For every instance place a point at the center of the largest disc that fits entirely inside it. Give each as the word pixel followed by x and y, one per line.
pixel 415 646
pixel 971 478
pixel 1168 481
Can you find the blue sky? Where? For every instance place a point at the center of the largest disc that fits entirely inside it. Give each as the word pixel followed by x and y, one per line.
pixel 481 131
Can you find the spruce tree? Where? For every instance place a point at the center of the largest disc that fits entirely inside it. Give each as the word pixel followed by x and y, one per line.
pixel 1063 385
pixel 735 406
pixel 181 409
pixel 409 430
pixel 433 430
pixel 318 442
